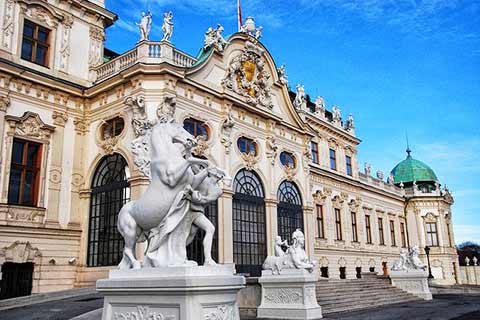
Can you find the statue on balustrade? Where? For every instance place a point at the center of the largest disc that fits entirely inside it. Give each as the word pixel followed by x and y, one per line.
pixel 145 26
pixel 171 210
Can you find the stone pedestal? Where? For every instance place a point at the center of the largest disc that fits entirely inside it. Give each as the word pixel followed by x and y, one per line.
pixel 172 293
pixel 414 282
pixel 290 295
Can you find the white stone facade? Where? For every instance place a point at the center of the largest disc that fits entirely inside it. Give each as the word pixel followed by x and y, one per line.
pixel 64 108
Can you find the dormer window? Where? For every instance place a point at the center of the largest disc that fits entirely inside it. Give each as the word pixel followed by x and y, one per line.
pixel 246 145
pixel 287 159
pixel 35 43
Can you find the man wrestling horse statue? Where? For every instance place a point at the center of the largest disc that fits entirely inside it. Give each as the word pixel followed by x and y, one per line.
pixel 170 211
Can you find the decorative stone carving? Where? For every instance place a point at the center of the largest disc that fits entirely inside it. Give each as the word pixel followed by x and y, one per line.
pixel 30 125
pixel 284 296
pixel 226 131
pixel 282 75
pixel 307 158
pixel 65 43
pixel 40 14
pixel 367 169
pixel 4 103
pixel 319 197
pixel 250 28
pixel 320 106
pixel 409 261
pixel 167 27
pixel 8 24
pixel 81 126
pixel 336 113
pixel 337 202
pixel 272 149
pixel 201 149
pixel 31 215
pixel 214 39
pixel 290 172
pixel 95 53
pixel 248 76
pixel 19 252
pixel 380 175
pixel 142 313
pixel 170 211
pixel 55 175
pixel 109 144
pixel 59 118
pixel 250 160
pixel 222 312
pixel 294 258
pixel 77 181
pixel 145 26
pixel 300 102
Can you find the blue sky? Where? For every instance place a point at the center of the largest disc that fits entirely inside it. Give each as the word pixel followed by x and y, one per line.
pixel 397 65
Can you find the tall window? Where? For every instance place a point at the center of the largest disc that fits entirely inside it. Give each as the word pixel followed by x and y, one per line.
pixel 289 209
pixel 246 145
pixel 348 163
pixel 110 191
pixel 449 233
pixel 432 236
pixel 35 43
pixel 338 224
pixel 403 235
pixel 320 222
pixel 249 228
pixel 354 227
pixel 368 229
pixel 24 173
pixel 380 231
pixel 333 160
pixel 196 127
pixel 314 147
pixel 392 233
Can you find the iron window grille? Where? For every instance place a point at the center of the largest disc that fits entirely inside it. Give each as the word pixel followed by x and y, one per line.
pixel 289 209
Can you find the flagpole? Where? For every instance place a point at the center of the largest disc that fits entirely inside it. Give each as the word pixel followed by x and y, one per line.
pixel 239 15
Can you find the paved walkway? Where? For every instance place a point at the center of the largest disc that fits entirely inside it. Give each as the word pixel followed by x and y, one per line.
pixel 443 307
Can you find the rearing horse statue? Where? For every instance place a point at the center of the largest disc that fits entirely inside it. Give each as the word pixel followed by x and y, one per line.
pixel 162 215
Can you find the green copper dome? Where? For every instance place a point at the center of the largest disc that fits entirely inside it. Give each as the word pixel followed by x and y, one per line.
pixel 410 170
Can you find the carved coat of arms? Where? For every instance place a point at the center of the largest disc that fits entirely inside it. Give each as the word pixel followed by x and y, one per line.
pixel 248 76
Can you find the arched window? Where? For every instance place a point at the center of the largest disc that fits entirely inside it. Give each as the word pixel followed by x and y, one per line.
pixel 249 229
pixel 110 191
pixel 195 249
pixel 289 209
pixel 196 127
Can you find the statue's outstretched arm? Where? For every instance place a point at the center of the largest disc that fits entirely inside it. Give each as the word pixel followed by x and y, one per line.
pixel 174 172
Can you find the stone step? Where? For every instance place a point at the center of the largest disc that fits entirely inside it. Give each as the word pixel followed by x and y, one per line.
pixel 346 292
pixel 367 298
pixel 352 287
pixel 348 306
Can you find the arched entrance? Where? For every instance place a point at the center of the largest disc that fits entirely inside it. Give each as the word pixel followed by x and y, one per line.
pixel 249 228
pixel 289 209
pixel 110 191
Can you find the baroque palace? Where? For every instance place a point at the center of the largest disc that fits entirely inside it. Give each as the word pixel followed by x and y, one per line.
pixel 72 118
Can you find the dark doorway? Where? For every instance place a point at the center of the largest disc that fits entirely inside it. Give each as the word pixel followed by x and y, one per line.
pixel 359 272
pixel 16 280
pixel 324 272
pixel 343 273
pixel 195 249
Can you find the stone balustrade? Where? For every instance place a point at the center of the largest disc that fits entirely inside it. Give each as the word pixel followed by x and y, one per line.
pixel 470 274
pixel 145 52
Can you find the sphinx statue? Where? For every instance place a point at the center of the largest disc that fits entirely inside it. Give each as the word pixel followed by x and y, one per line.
pixel 171 210
pixel 295 257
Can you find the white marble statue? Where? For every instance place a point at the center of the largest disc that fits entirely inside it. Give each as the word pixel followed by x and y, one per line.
pixel 380 175
pixel 409 261
pixel 170 211
pixel 282 74
pixel 391 179
pixel 250 29
pixel 337 117
pixel 214 38
pixel 368 169
pixel 167 27
pixel 300 101
pixel 294 258
pixel 320 106
pixel 145 26
pixel 350 125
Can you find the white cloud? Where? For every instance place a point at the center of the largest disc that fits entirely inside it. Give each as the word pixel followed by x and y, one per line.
pixel 127 26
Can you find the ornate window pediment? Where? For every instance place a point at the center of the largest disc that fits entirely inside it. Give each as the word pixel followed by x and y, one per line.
pixel 40 11
pixel 30 125
pixel 19 252
pixel 248 76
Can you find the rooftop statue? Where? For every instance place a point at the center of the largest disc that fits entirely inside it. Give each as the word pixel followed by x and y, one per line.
pixel 171 210
pixel 409 261
pixel 214 38
pixel 294 257
pixel 300 101
pixel 350 125
pixel 320 106
pixel 368 169
pixel 167 27
pixel 337 117
pixel 282 75
pixel 145 25
pixel 250 29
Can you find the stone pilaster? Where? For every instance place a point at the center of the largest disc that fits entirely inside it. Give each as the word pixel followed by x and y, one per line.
pixel 4 104
pixel 55 174
pixel 225 227
pixel 271 224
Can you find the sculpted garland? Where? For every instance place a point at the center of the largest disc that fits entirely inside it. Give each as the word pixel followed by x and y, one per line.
pixel 171 210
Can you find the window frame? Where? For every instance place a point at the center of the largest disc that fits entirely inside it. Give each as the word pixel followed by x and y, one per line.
pixel 348 165
pixel 197 123
pixel 430 234
pixel 333 159
pixel 338 224
pixel 291 155
pixel 23 167
pixel 353 215
pixel 248 142
pixel 35 42
pixel 381 235
pixel 314 150
pixel 368 229
pixel 392 234
pixel 320 222
pixel 403 234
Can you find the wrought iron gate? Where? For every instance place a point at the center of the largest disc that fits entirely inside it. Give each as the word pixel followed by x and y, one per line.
pixel 16 280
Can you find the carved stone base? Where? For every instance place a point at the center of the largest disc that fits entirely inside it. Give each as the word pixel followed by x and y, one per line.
pixel 414 282
pixel 290 295
pixel 172 293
